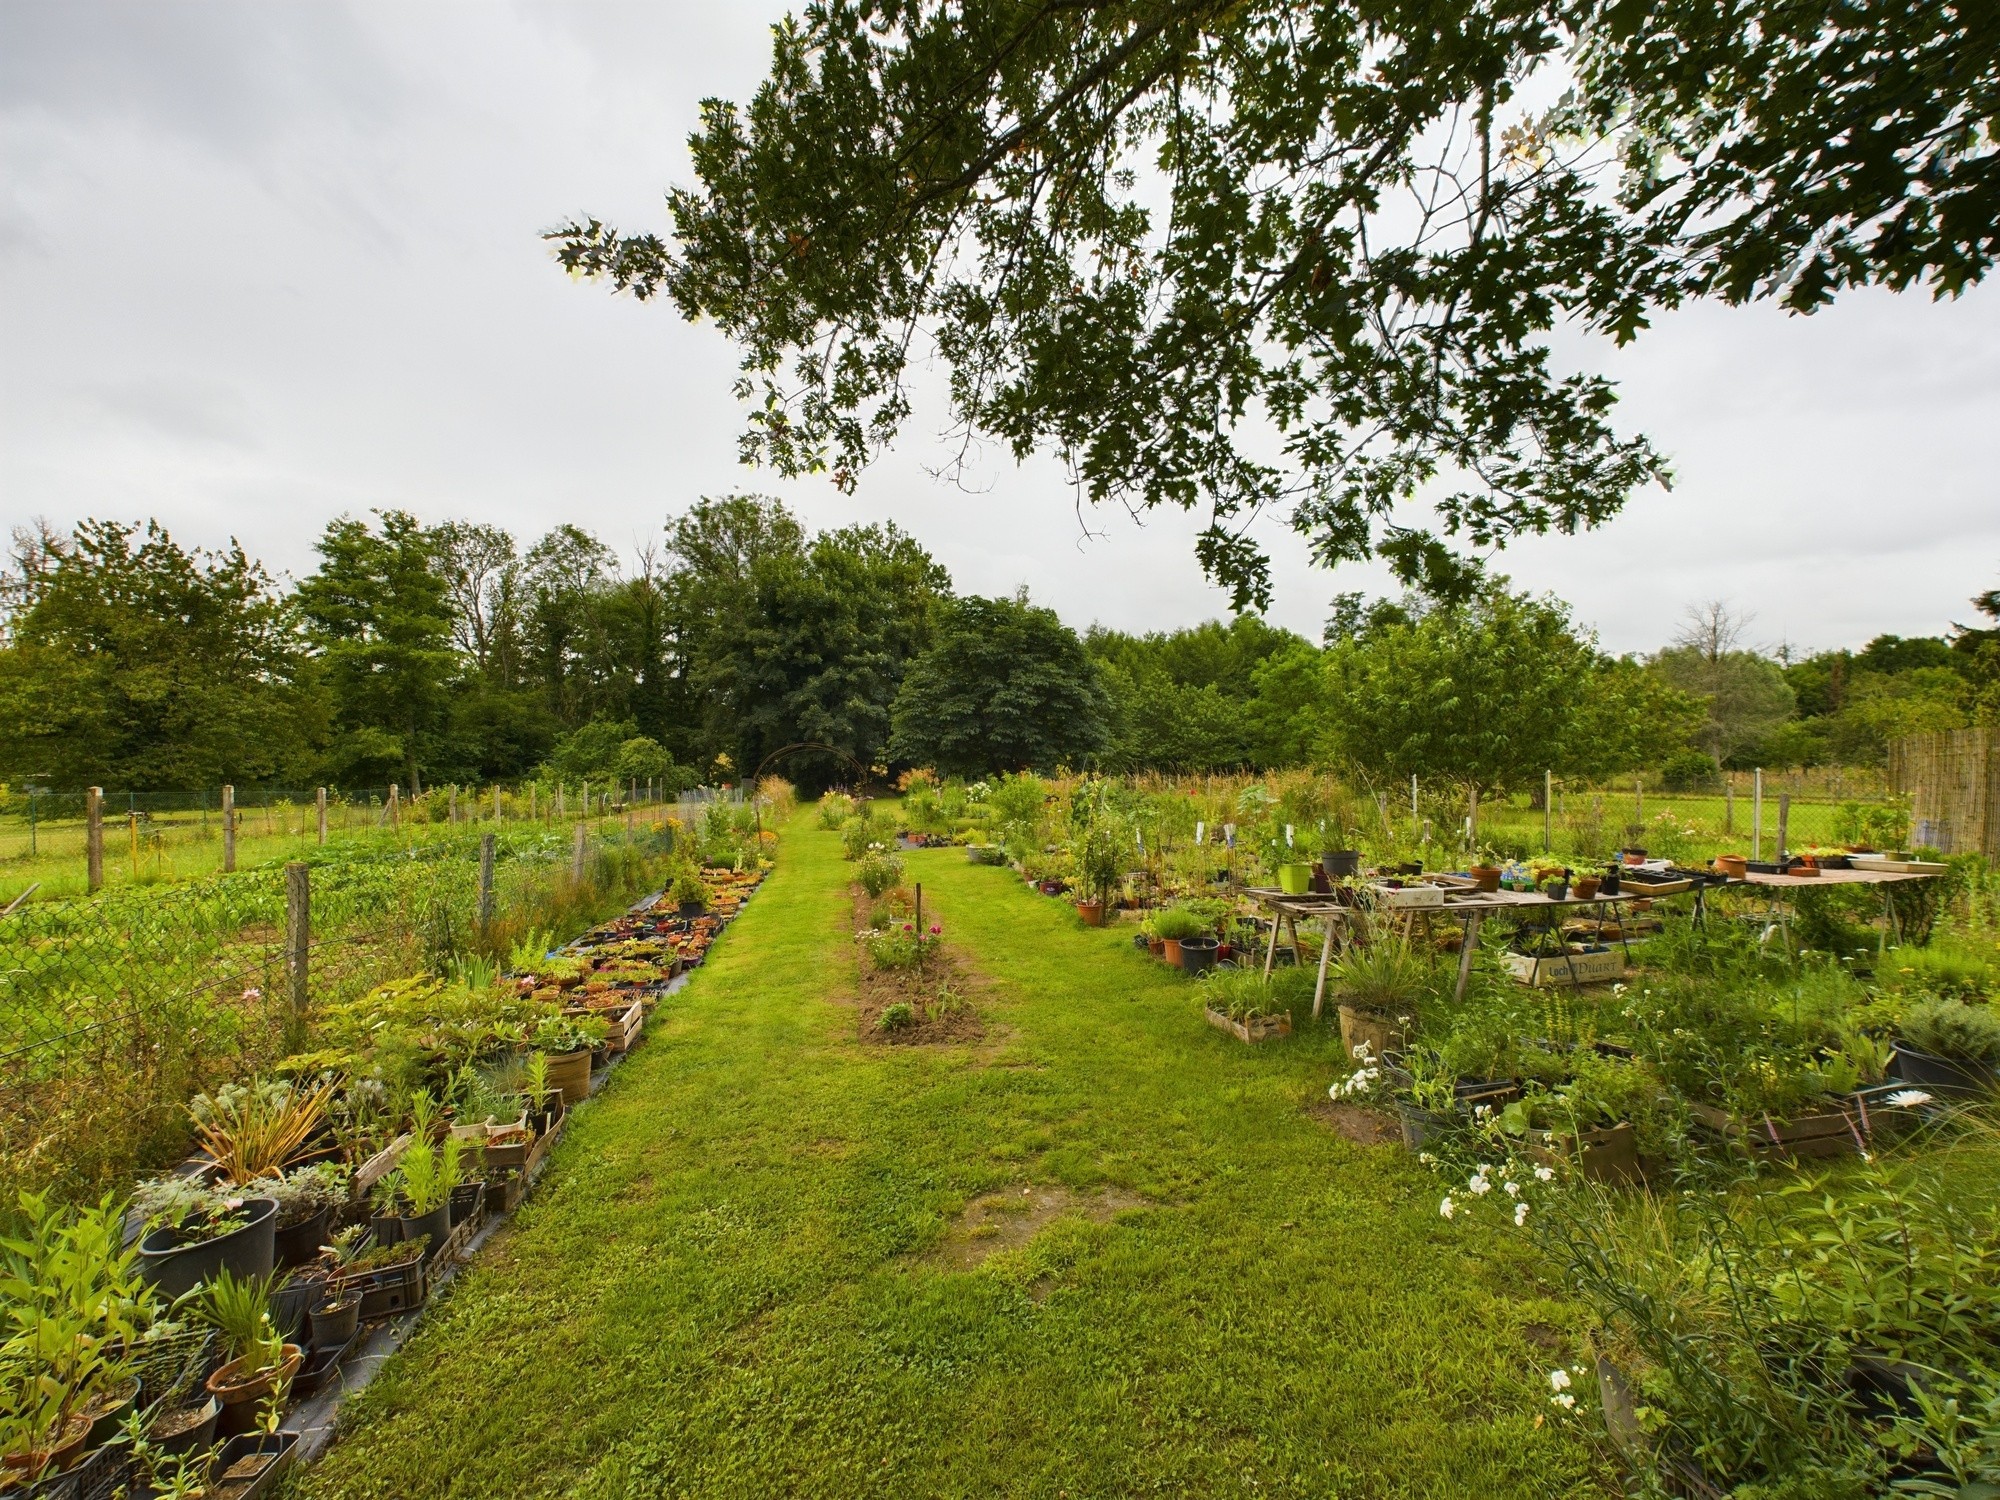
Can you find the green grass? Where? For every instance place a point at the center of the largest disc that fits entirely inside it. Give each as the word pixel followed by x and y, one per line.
pixel 723 1287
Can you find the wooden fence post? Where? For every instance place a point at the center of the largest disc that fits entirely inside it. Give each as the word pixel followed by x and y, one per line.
pixel 93 836
pixel 1729 802
pixel 1472 821
pixel 534 813
pixel 319 803
pixel 228 830
pixel 577 853
pixel 132 829
pixel 298 931
pixel 1757 814
pixel 1784 818
pixel 496 801
pixel 486 884
pixel 1548 806
pixel 395 808
pixel 451 804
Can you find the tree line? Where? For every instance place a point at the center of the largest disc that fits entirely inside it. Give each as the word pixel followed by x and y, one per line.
pixel 451 653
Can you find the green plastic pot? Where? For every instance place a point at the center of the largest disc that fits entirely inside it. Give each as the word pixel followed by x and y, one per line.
pixel 1295 880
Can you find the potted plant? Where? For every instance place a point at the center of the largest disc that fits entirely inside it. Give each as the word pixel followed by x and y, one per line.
pixel 306 1198
pixel 261 1365
pixel 568 1041
pixel 1242 1003
pixel 1948 1047
pixel 1173 926
pixel 689 892
pixel 1100 862
pixel 336 1317
pixel 1426 1102
pixel 419 1190
pixel 541 1100
pixel 1484 872
pixel 1380 988
pixel 194 1232
pixel 257 1130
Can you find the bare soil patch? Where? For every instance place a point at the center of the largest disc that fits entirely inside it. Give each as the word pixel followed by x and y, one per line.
pixel 1363 1126
pixel 939 994
pixel 1007 1220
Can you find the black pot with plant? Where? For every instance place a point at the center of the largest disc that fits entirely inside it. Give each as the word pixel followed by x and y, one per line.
pixel 1949 1047
pixel 195 1233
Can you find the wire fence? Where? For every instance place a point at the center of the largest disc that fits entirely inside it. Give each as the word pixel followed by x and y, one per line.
pixel 116 1008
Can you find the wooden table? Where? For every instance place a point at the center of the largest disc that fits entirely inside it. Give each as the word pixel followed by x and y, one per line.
pixel 1472 907
pixel 1883 878
pixel 1287 908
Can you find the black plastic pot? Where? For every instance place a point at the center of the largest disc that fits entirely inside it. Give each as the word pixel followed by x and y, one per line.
pixel 333 1327
pixel 1420 1125
pixel 278 1447
pixel 299 1244
pixel 196 1435
pixel 289 1305
pixel 465 1201
pixel 1198 954
pixel 1343 862
pixel 104 1427
pixel 175 1267
pixel 1941 1075
pixel 436 1224
pixel 692 908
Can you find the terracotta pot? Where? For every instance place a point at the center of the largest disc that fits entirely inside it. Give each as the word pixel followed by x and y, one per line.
pixel 1092 913
pixel 1735 866
pixel 1170 952
pixel 1485 877
pixel 67 1450
pixel 1157 947
pixel 1586 887
pixel 241 1398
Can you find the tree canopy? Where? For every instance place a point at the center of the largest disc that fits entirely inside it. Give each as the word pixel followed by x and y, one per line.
pixel 1006 686
pixel 1145 233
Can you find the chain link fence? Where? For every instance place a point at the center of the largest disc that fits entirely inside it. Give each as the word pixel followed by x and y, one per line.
pixel 116 1008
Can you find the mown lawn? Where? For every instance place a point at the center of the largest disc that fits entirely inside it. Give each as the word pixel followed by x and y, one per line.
pixel 745 1276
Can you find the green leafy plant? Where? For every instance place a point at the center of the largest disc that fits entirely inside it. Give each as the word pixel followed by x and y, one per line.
pixel 879 871
pixel 426 1174
pixel 899 945
pixel 306 1191
pixel 899 1016
pixel 689 889
pixel 239 1308
pixel 1386 977
pixel 535 1081
pixel 1177 923
pixel 1953 1029
pixel 257 1130
pixel 558 1035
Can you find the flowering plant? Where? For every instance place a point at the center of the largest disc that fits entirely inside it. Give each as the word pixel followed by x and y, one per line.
pixel 900 945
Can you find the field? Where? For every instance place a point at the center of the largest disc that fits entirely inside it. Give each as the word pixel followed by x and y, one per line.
pixel 764 1257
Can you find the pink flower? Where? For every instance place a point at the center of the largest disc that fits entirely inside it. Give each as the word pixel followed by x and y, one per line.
pixel 936 930
pixel 909 927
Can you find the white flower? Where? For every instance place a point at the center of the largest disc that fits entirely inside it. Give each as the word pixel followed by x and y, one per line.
pixel 1447 1208
pixel 1480 1186
pixel 1481 1111
pixel 1544 1174
pixel 1559 1380
pixel 1363 1053
pixel 1520 1214
pixel 1908 1098
pixel 1513 1189
pixel 1566 1401
pixel 1425 1159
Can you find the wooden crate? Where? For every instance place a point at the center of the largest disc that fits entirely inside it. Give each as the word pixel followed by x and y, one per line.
pixel 1573 968
pixel 1831 1133
pixel 1256 1029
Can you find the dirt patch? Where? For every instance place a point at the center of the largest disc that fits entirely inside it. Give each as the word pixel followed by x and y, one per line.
pixel 1363 1126
pixel 1008 1220
pixel 939 996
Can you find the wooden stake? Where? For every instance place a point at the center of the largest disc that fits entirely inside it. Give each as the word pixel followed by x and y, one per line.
pixel 93 840
pixel 298 931
pixel 228 829
pixel 319 803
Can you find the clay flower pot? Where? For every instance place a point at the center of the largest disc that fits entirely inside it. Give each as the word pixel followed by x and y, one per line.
pixel 241 1396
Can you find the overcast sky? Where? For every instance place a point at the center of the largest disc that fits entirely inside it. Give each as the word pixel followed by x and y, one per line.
pixel 264 263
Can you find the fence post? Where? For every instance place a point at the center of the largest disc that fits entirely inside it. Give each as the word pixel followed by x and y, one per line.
pixel 1472 820
pixel 577 852
pixel 1729 803
pixel 1784 817
pixel 93 820
pixel 534 812
pixel 132 829
pixel 1757 813
pixel 1548 805
pixel 584 803
pixel 1413 799
pixel 451 804
pixel 559 799
pixel 496 801
pixel 1639 803
pixel 319 803
pixel 395 808
pixel 486 884
pixel 228 830
pixel 298 931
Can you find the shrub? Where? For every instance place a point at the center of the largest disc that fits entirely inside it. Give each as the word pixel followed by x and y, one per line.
pixel 900 946
pixel 1388 978
pixel 835 808
pixel 880 871
pixel 897 1017
pixel 1951 1028
pixel 1691 771
pixel 1177 923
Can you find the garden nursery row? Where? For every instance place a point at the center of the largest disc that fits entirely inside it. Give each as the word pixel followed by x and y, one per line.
pixel 157 1346
pixel 1743 1109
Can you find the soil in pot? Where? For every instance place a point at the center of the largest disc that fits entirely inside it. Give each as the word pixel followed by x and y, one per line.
pixel 1381 1033
pixel 186 1428
pixel 107 1411
pixel 175 1266
pixel 242 1400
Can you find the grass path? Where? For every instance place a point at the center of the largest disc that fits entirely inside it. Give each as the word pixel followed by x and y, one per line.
pixel 730 1282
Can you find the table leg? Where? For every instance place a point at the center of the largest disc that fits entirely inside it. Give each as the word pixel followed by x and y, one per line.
pixel 1465 947
pixel 1271 949
pixel 1325 956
